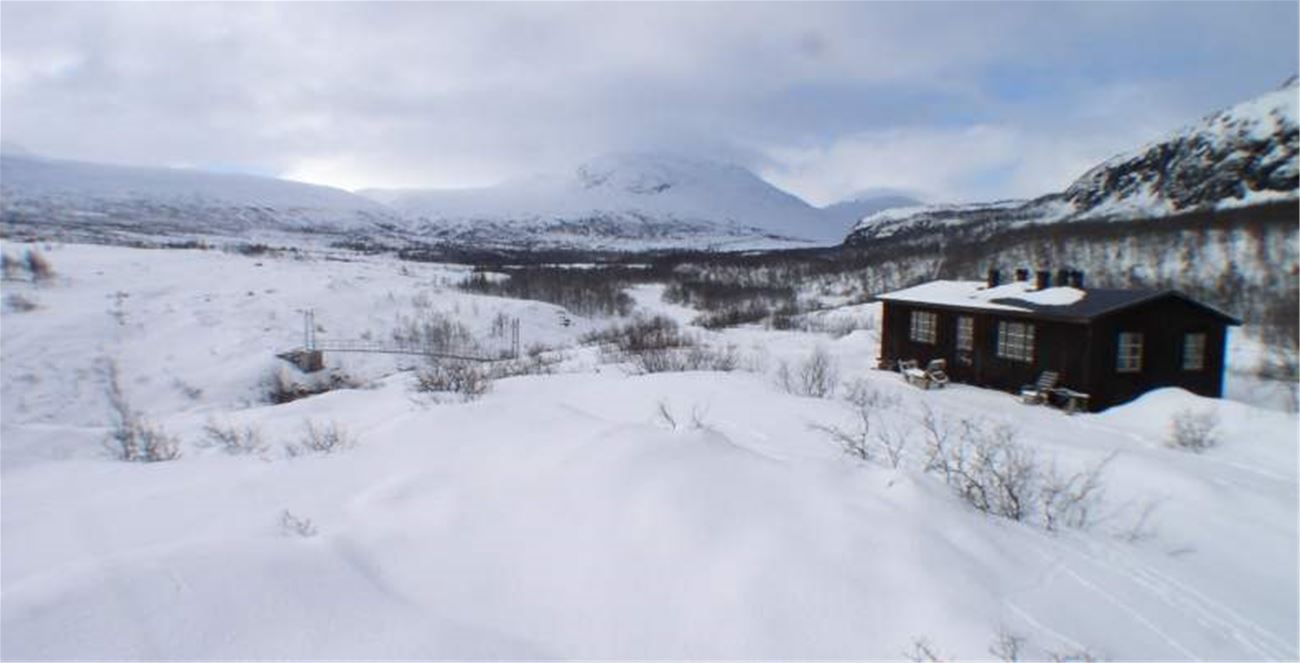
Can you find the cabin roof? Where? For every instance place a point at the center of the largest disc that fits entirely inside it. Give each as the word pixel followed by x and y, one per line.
pixel 1064 303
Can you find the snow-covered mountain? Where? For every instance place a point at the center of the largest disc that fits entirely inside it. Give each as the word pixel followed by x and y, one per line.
pixel 1245 155
pixel 89 197
pixel 862 204
pixel 617 202
pixel 633 200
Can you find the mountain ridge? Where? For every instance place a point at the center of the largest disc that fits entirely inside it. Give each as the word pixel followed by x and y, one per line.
pixel 1239 156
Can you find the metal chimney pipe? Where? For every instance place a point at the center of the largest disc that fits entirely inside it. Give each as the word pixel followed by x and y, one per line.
pixel 1022 275
pixel 994 278
pixel 1043 280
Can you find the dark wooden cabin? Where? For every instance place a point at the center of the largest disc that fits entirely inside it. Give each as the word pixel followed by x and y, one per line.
pixel 1112 344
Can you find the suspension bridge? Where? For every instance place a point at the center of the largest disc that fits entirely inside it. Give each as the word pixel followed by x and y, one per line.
pixel 310 356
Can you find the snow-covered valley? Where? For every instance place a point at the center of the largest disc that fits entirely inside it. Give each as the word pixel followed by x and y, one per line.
pixel 592 512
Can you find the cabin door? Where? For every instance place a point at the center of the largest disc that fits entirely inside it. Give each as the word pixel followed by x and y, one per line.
pixel 962 366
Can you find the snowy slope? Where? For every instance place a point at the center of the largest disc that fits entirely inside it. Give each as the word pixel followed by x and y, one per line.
pixel 1245 155
pixel 49 192
pixel 631 200
pixel 561 516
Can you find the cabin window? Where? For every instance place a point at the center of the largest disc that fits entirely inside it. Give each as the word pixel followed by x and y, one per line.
pixel 923 326
pixel 965 333
pixel 1129 357
pixel 1016 341
pixel 1194 352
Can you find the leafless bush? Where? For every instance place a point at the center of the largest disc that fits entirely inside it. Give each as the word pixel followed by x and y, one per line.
pixel 922 652
pixel 993 473
pixel 292 525
pixel 434 331
pixel 818 374
pixel 233 440
pixel 319 439
pixel 692 358
pixel 988 469
pixel 19 303
pixel 641 334
pixel 855 442
pixel 871 438
pixel 583 291
pixel 657 345
pixel 134 438
pixel 12 266
pixel 862 393
pixel 466 378
pixel 1194 431
pixel 538 360
pixel 893 443
pixel 837 326
pixel 1141 528
pixel 1070 500
pixel 1007 646
pixel 815 376
pixel 39 266
pixel 665 414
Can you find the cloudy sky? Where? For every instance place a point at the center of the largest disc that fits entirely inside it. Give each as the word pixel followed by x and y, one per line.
pixel 961 101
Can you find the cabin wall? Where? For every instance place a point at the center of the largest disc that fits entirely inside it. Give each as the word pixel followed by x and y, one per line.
pixel 1058 346
pixel 1162 325
pixel 1085 355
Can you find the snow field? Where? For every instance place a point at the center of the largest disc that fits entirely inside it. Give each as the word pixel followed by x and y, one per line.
pixel 565 516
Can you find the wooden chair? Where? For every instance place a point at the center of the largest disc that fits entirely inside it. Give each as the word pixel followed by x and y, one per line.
pixel 936 371
pixel 1070 400
pixel 1037 393
pixel 913 374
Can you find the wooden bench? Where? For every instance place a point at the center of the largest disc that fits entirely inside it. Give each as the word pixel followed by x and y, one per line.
pixel 1069 400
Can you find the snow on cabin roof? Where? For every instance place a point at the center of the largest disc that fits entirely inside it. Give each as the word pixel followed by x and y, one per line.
pixel 1022 297
pixel 1015 296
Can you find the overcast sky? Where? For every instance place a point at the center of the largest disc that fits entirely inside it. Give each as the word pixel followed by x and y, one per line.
pixel 957 101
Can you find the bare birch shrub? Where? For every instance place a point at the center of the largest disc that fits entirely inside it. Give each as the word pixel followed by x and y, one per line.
pixel 291 525
pixel 133 437
pixel 991 471
pixel 321 439
pixel 39 266
pixel 235 441
pixel 1194 431
pixel 465 378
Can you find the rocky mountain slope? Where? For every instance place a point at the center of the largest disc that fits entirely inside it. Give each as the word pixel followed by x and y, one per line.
pixel 1245 155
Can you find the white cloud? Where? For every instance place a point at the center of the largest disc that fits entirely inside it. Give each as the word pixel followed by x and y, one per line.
pixel 981 162
pixel 444 94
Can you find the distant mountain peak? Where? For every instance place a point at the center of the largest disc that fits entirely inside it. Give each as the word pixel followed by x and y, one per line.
pixel 629 199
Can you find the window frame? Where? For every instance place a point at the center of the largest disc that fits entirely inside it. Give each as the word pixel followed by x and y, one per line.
pixel 965 338
pixel 1199 354
pixel 1129 346
pixel 1016 341
pixel 923 327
